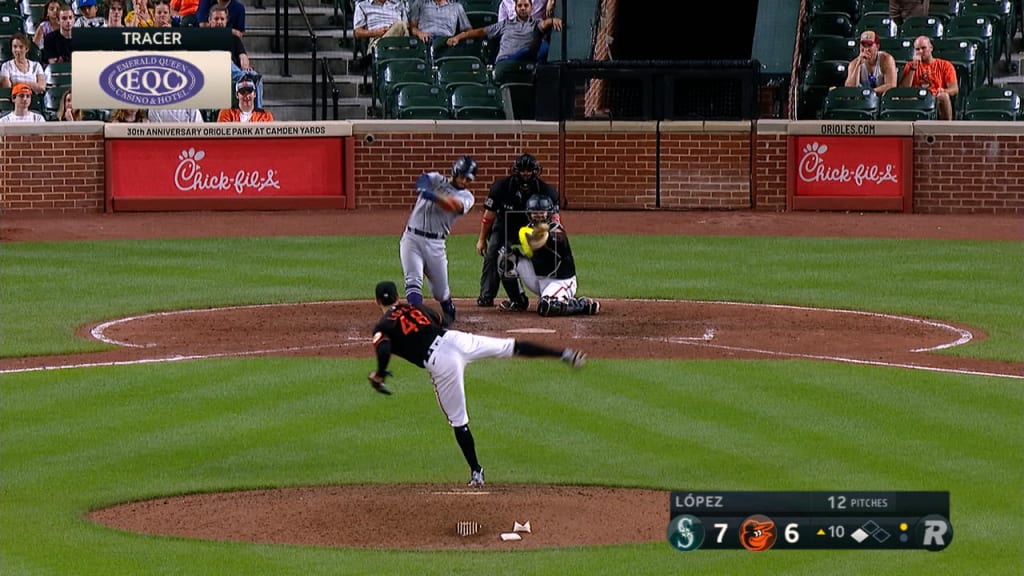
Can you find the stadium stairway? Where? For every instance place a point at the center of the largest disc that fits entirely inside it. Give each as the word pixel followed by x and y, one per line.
pixel 290 97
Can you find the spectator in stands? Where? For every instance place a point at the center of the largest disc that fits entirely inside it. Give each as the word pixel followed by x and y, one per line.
pixel 115 14
pixel 873 69
pixel 235 13
pixel 49 23
pixel 129 116
pixel 162 14
pixel 900 10
pixel 521 38
pixel 935 74
pixel 375 19
pixel 141 16
pixel 66 112
pixel 430 18
pixel 57 44
pixel 541 9
pixel 246 111
pixel 88 17
pixel 186 10
pixel 21 95
pixel 21 70
pixel 182 115
pixel 240 66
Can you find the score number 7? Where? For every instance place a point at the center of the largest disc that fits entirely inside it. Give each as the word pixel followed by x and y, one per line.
pixel 791 533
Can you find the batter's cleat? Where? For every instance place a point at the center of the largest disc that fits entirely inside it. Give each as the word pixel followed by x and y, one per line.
pixel 515 305
pixel 485 302
pixel 574 358
pixel 476 479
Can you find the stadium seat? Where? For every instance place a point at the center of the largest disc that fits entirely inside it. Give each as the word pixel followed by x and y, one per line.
pixel 480 19
pixel 907 104
pixel 992 103
pixel 1000 13
pixel 977 29
pixel 52 97
pixel 817 79
pixel 854 103
pixel 58 74
pixel 398 73
pixel 457 72
pixel 832 48
pixel 467 49
pixel 829 24
pixel 394 48
pixel 915 26
pixel 475 102
pixel 963 55
pixel 849 7
pixel 880 22
pixel 901 49
pixel 422 102
pixel 11 23
pixel 513 71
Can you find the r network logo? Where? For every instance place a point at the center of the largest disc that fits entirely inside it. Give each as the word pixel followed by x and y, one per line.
pixel 149 81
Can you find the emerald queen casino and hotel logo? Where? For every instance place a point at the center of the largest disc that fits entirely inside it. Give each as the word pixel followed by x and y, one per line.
pixel 151 80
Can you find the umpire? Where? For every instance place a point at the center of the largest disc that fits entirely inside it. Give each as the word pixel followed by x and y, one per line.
pixel 504 214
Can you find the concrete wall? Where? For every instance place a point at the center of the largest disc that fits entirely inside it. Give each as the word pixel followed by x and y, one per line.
pixel 960 167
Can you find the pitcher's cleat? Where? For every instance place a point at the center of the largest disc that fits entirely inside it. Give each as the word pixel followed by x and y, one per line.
pixel 574 358
pixel 476 478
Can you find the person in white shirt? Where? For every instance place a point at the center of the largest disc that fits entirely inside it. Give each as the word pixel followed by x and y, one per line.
pixel 21 70
pixel 21 95
pixel 184 115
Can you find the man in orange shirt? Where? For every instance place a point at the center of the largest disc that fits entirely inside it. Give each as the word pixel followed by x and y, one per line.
pixel 935 74
pixel 246 111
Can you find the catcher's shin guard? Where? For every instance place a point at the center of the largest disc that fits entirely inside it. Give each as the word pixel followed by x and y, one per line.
pixel 517 298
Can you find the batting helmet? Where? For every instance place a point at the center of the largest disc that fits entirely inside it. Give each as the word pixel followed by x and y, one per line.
pixel 464 166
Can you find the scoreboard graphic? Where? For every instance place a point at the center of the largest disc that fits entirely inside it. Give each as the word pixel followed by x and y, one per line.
pixel 762 521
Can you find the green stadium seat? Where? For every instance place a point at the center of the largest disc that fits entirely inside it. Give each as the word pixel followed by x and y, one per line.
pixel 423 102
pixel 907 104
pixel 477 102
pixel 854 103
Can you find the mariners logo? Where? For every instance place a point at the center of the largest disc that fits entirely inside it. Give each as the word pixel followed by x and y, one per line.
pixel 685 533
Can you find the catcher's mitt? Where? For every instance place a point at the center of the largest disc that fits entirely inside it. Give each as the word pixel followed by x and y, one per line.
pixel 377 381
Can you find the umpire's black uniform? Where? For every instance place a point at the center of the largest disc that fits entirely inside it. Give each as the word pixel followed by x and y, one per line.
pixel 507 199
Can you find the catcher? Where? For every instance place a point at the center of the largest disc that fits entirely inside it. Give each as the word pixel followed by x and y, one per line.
pixel 416 334
pixel 544 264
pixel 440 201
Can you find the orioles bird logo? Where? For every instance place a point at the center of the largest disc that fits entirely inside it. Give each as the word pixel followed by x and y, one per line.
pixel 757 533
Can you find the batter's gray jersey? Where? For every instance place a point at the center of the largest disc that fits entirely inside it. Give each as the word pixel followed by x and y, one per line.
pixel 422 248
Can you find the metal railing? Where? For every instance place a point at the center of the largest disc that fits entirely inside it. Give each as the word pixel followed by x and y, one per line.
pixel 327 81
pixel 280 42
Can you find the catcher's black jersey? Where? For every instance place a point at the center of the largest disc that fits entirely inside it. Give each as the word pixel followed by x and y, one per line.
pixel 554 259
pixel 507 199
pixel 411 330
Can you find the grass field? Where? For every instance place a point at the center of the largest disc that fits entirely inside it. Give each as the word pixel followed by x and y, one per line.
pixel 78 439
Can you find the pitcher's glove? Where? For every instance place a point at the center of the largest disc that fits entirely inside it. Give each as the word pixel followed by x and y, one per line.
pixel 377 381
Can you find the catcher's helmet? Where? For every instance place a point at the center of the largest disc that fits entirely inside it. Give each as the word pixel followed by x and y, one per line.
pixel 526 163
pixel 540 207
pixel 464 166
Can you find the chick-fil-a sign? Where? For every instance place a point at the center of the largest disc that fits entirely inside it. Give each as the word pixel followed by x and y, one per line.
pixel 848 166
pixel 225 168
pixel 850 172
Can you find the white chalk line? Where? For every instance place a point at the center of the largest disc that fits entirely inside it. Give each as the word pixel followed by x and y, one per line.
pixel 964 336
pixel 181 358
